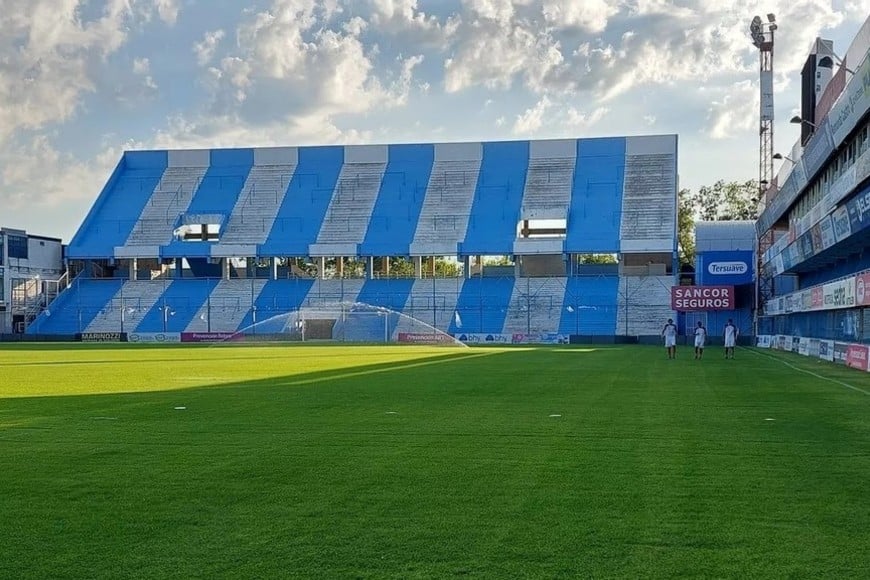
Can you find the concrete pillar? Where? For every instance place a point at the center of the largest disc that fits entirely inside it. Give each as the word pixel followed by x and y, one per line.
pixel 339 266
pixel 273 266
pixel 466 266
pixel 418 266
pixel 387 266
pixel 133 266
pixel 225 264
pixel 432 271
pixel 321 267
pixel 370 267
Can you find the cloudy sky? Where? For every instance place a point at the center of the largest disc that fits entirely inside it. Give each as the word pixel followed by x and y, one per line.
pixel 82 80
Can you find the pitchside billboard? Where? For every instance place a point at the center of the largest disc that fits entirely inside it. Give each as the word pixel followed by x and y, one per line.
pixel 693 298
pixel 725 268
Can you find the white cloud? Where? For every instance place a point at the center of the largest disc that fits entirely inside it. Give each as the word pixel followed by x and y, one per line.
pixel 205 48
pixel 582 120
pixel 736 111
pixel 532 119
pixel 590 15
pixel 141 66
pixel 168 10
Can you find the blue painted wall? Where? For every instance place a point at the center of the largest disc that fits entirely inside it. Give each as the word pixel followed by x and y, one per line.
pixel 304 206
pixel 400 199
pixel 596 196
pixel 495 209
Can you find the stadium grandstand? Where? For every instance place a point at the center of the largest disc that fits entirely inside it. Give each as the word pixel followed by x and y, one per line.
pixel 813 232
pixel 215 243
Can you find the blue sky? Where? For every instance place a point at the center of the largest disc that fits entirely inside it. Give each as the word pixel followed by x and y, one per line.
pixel 83 80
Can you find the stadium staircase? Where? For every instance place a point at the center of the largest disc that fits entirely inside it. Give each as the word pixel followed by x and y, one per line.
pixel 592 300
pixel 227 306
pixel 644 304
pixel 535 306
pixel 444 215
pixel 132 301
pixel 170 199
pixel 255 210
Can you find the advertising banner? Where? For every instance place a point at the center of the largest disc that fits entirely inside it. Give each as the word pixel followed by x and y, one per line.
pixel 163 337
pixel 862 290
pixel 813 349
pixel 856 356
pixel 425 338
pixel 859 210
pixel 839 294
pixel 795 344
pixel 479 337
pixel 210 336
pixel 804 346
pixel 826 350
pixel 540 338
pixel 851 105
pixel 763 341
pixel 102 337
pixel 826 226
pixel 842 225
pixel 726 268
pixel 692 298
pixel 818 299
pixel 840 349
pixel 816 233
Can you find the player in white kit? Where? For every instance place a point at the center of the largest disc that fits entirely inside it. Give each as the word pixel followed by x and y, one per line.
pixel 669 332
pixel 700 339
pixel 731 333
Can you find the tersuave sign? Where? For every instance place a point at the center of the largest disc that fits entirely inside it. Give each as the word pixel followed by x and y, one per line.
pixel 722 268
pixel 689 298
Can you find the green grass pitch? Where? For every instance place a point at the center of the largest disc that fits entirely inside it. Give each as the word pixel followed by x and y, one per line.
pixel 428 462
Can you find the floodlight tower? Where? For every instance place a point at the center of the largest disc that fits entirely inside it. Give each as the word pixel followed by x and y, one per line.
pixel 762 38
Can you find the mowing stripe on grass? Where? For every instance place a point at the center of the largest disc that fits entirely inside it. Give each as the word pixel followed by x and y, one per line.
pixel 800 370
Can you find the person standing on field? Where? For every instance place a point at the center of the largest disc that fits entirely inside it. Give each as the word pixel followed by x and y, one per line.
pixel 669 332
pixel 731 333
pixel 700 339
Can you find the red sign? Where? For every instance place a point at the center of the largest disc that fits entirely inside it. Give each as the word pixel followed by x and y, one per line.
pixel 426 338
pixel 862 290
pixel 689 298
pixel 856 356
pixel 209 336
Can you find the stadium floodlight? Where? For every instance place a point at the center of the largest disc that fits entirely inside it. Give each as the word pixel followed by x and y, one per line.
pixel 797 120
pixel 771 18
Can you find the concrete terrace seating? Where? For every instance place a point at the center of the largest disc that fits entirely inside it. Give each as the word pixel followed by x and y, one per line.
pixel 255 210
pixel 76 307
pixel 171 197
pixel 227 306
pixel 535 306
pixel 349 212
pixel 176 307
pixel 649 205
pixel 432 302
pixel 549 180
pixel 331 293
pixel 449 195
pixel 644 304
pixel 132 301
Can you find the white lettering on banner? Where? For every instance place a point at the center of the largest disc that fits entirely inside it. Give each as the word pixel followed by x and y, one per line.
pixel 842 227
pixel 702 303
pixel 863 203
pixel 725 268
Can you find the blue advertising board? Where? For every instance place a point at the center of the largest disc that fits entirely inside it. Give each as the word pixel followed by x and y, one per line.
pixel 730 268
pixel 859 210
